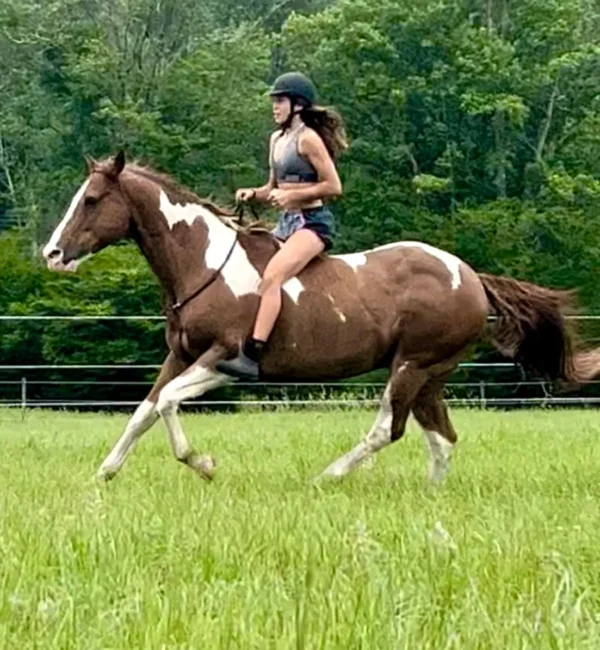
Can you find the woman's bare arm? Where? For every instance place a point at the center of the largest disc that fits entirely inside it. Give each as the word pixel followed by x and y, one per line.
pixel 312 147
pixel 262 193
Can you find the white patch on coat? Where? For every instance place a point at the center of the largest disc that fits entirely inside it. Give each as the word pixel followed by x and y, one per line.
pixel 56 235
pixel 293 287
pixel 175 213
pixel 340 314
pixel 336 309
pixel 451 262
pixel 353 260
pixel 239 274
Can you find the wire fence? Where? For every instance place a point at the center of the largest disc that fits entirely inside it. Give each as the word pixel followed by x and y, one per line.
pixel 30 388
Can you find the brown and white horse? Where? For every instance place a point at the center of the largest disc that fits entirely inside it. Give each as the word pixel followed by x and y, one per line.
pixel 407 306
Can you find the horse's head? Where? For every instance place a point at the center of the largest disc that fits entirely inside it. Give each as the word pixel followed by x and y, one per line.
pixel 98 216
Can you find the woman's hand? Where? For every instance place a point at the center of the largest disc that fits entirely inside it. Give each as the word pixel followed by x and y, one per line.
pixel 245 194
pixel 283 199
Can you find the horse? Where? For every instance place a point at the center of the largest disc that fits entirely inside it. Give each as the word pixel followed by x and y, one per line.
pixel 408 307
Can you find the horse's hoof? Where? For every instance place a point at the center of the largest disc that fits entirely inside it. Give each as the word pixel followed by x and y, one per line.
pixel 368 463
pixel 205 466
pixel 105 474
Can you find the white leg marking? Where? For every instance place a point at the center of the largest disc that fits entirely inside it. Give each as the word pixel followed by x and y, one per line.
pixel 143 418
pixel 440 451
pixel 194 382
pixel 379 436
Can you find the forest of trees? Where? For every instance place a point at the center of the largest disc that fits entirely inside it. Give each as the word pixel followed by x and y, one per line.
pixel 474 126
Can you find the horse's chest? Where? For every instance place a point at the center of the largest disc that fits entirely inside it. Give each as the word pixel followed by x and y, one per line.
pixel 183 340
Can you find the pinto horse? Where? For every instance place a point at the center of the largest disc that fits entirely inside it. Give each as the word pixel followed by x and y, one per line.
pixel 408 307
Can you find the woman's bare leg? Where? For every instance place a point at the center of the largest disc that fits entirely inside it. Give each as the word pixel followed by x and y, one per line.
pixel 291 258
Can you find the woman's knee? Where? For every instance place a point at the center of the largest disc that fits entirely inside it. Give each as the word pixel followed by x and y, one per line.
pixel 271 282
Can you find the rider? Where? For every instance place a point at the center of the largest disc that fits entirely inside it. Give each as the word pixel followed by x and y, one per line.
pixel 302 174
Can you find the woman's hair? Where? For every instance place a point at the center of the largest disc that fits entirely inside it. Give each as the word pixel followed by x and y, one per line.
pixel 328 123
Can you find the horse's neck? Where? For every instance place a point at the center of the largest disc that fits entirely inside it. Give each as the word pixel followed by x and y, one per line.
pixel 180 240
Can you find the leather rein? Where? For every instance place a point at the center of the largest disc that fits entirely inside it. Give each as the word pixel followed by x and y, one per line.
pixel 239 211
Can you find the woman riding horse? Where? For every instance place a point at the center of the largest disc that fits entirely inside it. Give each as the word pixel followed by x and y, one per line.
pixel 303 174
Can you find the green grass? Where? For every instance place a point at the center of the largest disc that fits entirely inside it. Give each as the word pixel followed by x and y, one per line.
pixel 505 555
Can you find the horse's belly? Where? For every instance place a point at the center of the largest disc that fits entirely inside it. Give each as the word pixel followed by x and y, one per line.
pixel 325 337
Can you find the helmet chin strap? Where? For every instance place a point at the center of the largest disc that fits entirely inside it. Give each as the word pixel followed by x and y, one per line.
pixel 295 110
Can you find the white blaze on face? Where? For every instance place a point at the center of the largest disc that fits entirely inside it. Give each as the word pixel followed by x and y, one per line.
pixel 239 274
pixel 52 244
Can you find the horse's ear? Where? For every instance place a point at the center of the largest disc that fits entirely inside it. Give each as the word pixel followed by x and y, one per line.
pixel 117 165
pixel 90 163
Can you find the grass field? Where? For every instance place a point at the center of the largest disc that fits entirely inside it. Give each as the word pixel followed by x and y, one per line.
pixel 505 555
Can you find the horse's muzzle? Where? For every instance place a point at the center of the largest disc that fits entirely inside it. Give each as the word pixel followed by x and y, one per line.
pixel 55 259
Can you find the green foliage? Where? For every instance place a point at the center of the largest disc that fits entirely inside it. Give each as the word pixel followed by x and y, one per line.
pixel 116 282
pixel 474 126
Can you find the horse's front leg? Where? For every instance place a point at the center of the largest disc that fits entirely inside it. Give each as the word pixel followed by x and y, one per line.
pixel 143 418
pixel 196 380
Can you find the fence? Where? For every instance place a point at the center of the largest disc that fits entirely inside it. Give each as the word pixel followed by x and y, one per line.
pixel 24 391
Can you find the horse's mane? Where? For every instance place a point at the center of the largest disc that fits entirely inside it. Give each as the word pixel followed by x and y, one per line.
pixel 179 192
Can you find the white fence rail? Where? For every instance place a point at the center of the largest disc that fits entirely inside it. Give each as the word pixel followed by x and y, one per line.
pixel 23 386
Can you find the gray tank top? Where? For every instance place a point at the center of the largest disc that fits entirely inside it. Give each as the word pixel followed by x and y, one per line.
pixel 292 167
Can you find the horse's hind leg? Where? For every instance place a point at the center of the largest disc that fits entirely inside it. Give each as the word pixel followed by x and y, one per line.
pixel 431 413
pixel 144 417
pixel 401 390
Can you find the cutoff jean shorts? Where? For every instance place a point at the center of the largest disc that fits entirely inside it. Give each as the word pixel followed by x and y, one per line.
pixel 319 220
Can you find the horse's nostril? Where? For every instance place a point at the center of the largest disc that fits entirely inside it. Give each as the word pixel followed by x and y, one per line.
pixel 54 254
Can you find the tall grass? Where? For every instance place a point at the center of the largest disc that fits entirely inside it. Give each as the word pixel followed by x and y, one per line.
pixel 505 555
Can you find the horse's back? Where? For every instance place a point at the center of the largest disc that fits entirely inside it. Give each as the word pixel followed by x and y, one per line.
pixel 386 287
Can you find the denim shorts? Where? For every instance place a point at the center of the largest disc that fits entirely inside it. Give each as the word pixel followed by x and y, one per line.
pixel 319 220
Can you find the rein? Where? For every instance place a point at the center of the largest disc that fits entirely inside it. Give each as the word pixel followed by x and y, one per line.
pixel 182 303
pixel 240 209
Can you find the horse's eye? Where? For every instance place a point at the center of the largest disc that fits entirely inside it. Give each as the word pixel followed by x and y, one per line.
pixel 91 200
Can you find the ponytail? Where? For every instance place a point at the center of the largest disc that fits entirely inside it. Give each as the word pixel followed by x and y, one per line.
pixel 328 123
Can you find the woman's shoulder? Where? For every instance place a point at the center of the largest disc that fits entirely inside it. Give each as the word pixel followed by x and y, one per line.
pixel 275 135
pixel 308 133
pixel 308 137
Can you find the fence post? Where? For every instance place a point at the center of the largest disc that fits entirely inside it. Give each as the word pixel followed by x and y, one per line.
pixel 482 394
pixel 23 396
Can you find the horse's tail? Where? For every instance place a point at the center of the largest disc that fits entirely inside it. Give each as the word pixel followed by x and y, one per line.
pixel 531 328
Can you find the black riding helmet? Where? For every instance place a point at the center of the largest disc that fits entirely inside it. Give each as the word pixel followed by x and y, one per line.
pixel 296 86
